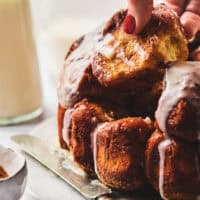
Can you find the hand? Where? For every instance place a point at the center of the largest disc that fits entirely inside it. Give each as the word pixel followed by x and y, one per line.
pixel 139 13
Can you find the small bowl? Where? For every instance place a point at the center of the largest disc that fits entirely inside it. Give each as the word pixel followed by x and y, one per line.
pixel 12 187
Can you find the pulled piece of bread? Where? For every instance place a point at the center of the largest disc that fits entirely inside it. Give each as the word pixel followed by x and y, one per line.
pixel 161 41
pixel 108 57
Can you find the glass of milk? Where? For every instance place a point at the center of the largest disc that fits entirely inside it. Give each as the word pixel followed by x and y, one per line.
pixel 20 88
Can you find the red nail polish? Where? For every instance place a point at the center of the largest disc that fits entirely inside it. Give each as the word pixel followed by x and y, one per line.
pixel 129 24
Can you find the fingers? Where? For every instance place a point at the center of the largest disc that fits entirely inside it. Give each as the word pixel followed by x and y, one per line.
pixel 177 5
pixel 189 10
pixel 193 6
pixel 190 19
pixel 191 24
pixel 139 13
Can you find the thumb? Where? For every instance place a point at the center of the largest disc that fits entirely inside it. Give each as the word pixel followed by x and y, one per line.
pixel 139 13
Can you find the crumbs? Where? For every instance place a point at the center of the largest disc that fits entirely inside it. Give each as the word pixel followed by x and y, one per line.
pixel 3 173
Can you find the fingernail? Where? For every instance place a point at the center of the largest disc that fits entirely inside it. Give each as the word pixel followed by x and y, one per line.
pixel 129 24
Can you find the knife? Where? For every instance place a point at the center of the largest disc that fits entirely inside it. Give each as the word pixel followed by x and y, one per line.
pixel 62 165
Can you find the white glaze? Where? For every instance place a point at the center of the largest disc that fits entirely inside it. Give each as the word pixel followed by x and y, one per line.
pixel 66 126
pixel 120 54
pixel 162 147
pixel 95 135
pixel 81 58
pixel 182 81
pixel 74 68
pixel 107 49
pixel 140 51
pixel 79 61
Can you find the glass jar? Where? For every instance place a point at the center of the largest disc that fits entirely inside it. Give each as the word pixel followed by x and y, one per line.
pixel 20 88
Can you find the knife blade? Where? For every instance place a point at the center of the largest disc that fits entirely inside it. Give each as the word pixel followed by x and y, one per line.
pixel 61 165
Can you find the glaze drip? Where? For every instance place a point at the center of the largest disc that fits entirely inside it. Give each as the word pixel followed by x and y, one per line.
pixel 182 81
pixel 67 126
pixel 79 62
pixel 95 146
pixel 162 147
